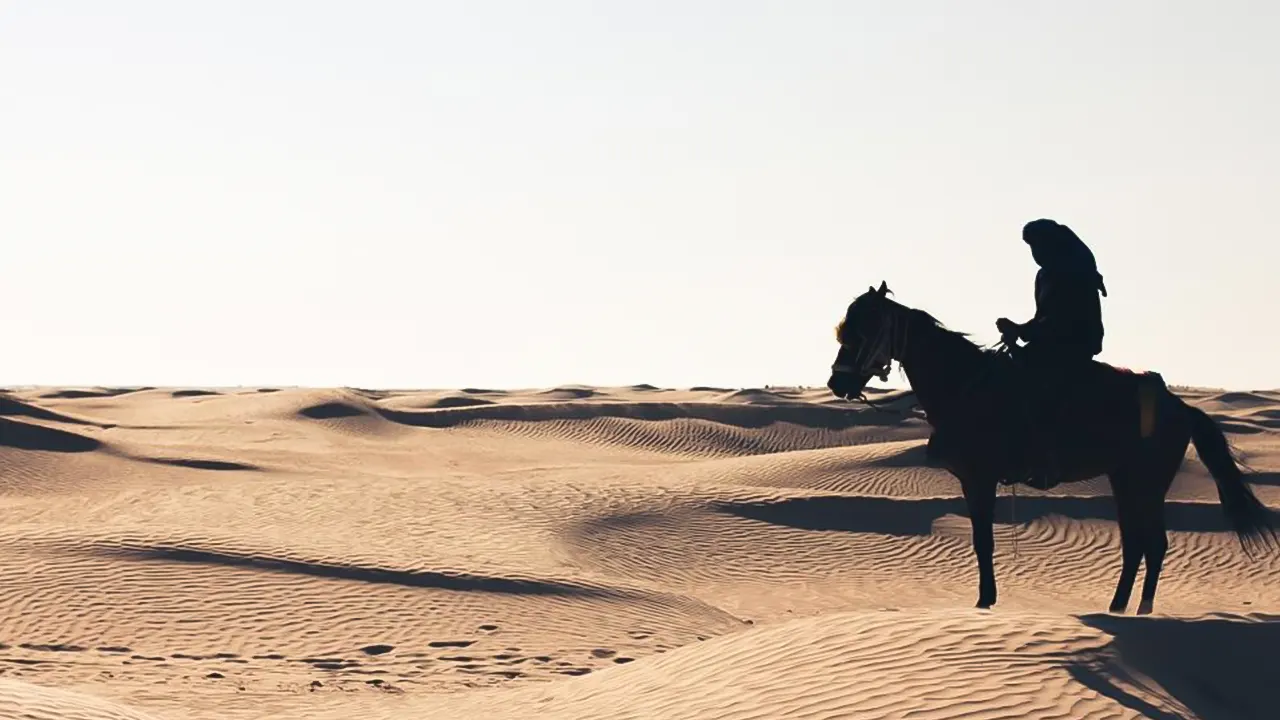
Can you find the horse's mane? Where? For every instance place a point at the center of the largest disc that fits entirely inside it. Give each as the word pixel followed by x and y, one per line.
pixel 938 323
pixel 934 323
pixel 948 332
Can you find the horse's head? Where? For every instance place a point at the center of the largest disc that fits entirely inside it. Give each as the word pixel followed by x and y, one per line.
pixel 866 343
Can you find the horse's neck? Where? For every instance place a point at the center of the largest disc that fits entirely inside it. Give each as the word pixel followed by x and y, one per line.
pixel 939 364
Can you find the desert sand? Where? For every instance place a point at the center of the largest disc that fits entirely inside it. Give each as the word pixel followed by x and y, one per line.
pixel 583 552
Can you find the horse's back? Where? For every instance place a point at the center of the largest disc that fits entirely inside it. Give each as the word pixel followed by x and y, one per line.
pixel 1118 395
pixel 1129 373
pixel 1118 378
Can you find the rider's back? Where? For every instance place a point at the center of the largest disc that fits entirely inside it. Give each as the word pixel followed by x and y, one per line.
pixel 1069 312
pixel 1068 320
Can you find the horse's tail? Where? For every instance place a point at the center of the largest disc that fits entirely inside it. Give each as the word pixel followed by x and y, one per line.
pixel 1251 520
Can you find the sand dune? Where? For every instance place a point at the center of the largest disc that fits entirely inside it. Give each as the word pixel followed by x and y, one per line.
pixel 584 552
pixel 950 664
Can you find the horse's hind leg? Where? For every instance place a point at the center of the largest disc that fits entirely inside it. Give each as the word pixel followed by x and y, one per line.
pixel 1131 541
pixel 1155 542
pixel 1154 481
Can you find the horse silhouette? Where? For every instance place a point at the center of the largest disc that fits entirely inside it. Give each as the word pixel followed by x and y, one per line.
pixel 1128 426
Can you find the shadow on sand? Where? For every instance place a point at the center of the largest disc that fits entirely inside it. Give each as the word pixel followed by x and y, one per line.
pixel 198 464
pixel 915 516
pixel 406 578
pixel 746 416
pixel 1216 668
pixel 10 407
pixel 29 436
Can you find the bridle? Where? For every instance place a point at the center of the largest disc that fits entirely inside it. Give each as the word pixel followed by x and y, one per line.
pixel 892 341
pixel 875 358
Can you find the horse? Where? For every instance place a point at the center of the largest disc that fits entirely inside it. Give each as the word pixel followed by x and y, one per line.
pixel 1123 424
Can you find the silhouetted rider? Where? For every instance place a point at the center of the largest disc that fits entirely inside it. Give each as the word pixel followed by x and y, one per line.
pixel 1068 322
pixel 1066 331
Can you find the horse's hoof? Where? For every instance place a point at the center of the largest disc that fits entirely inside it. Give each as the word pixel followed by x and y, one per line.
pixel 1144 608
pixel 1117 609
pixel 985 605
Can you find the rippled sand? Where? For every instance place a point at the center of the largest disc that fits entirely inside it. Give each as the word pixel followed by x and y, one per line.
pixel 587 552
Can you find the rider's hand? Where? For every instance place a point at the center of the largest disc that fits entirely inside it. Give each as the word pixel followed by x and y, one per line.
pixel 1008 330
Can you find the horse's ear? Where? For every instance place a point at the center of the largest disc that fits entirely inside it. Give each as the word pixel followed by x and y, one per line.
pixel 884 288
pixel 871 288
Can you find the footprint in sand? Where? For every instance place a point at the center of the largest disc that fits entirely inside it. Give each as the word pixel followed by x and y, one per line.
pixel 451 643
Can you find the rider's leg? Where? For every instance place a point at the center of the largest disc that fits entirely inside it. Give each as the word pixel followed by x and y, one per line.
pixel 1022 438
pixel 1043 386
pixel 1060 374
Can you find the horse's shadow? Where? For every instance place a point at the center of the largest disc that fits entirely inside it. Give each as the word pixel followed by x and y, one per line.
pixel 916 516
pixel 1217 668
pixel 1263 478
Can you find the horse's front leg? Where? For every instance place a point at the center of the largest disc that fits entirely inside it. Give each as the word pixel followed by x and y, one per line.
pixel 980 495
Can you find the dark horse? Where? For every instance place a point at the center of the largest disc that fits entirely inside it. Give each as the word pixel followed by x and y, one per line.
pixel 1125 425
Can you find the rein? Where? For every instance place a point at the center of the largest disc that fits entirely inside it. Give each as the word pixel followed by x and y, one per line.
pixel 892 342
pixel 1013 517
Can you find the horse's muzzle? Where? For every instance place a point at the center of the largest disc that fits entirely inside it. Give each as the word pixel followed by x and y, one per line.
pixel 845 386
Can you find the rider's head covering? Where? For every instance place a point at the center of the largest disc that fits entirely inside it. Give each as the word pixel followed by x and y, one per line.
pixel 1056 247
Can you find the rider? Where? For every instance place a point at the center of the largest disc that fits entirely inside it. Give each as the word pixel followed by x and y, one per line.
pixel 1066 331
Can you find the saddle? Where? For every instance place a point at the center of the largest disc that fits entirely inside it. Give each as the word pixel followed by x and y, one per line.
pixel 1034 411
pixel 1047 393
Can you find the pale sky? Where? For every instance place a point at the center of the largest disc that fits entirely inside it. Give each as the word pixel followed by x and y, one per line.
pixel 526 194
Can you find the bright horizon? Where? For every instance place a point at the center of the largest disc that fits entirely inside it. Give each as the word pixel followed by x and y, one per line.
pixel 440 195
